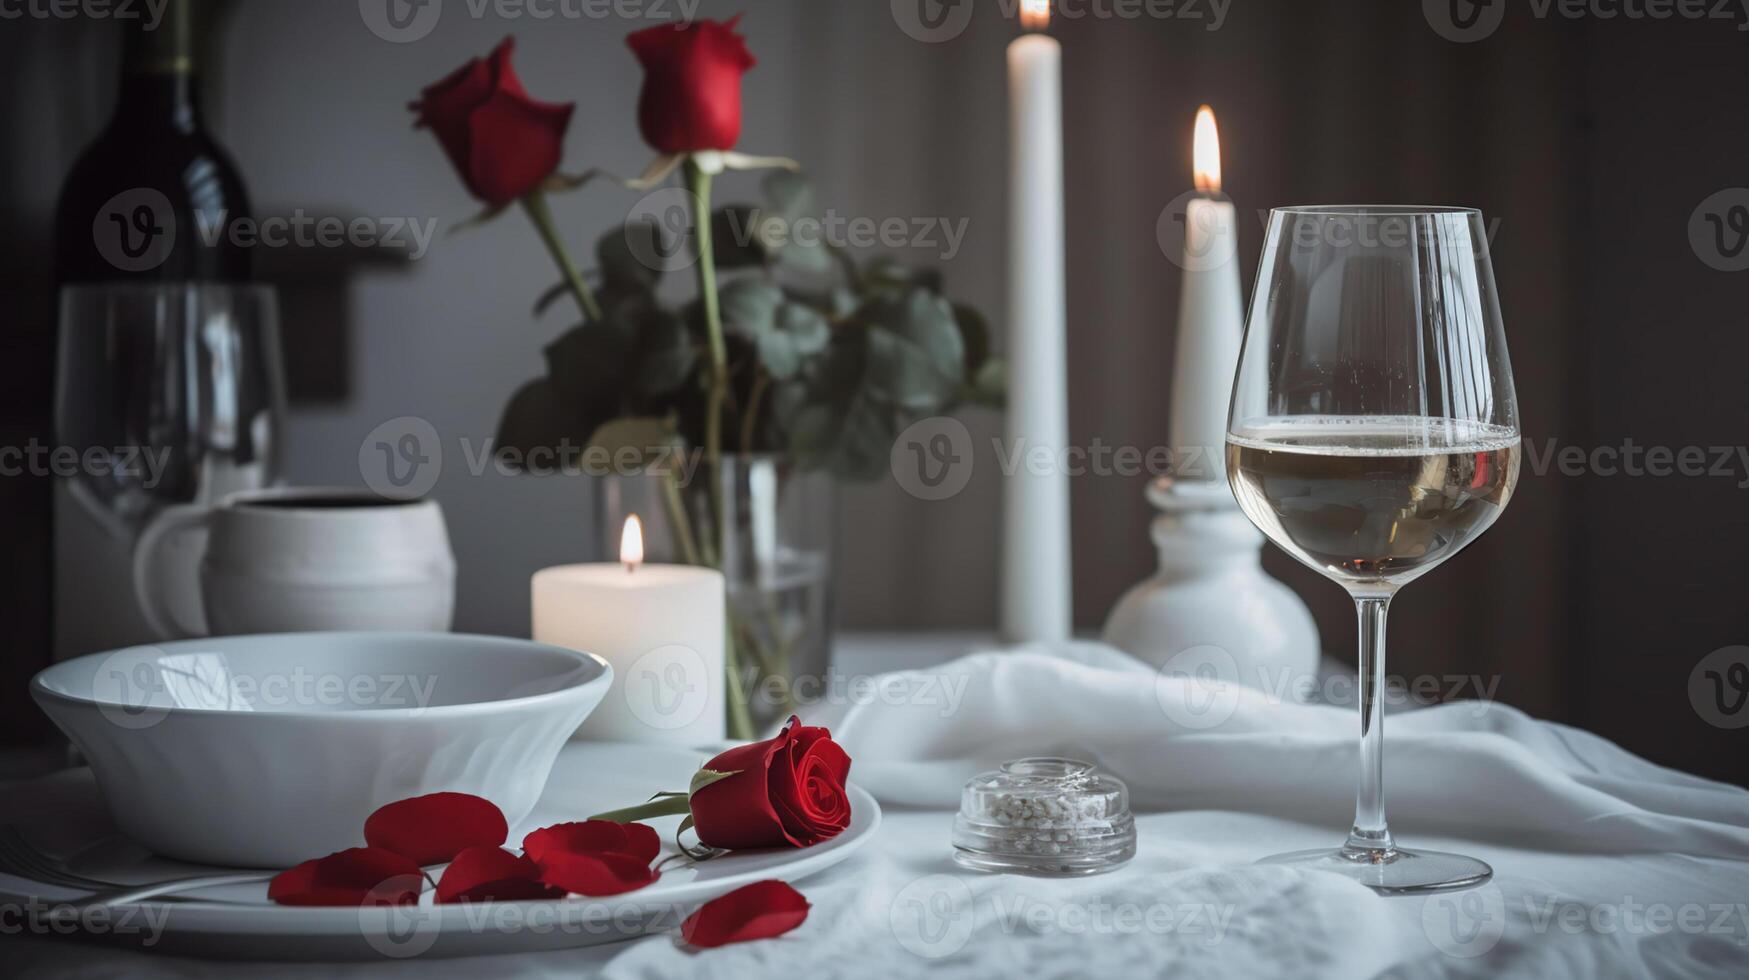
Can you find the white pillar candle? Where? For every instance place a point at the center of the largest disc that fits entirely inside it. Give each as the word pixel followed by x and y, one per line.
pixel 1035 595
pixel 660 626
pixel 1210 320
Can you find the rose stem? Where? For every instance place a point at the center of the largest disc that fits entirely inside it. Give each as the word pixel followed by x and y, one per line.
pixel 699 183
pixel 535 203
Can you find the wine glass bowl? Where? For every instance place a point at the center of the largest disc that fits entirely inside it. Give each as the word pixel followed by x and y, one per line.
pixel 170 393
pixel 1372 503
pixel 1373 434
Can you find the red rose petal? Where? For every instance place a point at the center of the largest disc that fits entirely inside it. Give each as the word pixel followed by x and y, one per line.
pixel 761 910
pixel 358 876
pixel 516 142
pixel 785 791
pixel 501 141
pixel 642 842
pixel 595 875
pixel 594 837
pixel 736 812
pixel 576 837
pixel 481 874
pixel 434 829
pixel 691 97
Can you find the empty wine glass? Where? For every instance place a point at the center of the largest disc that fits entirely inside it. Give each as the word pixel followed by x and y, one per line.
pixel 169 393
pixel 1373 434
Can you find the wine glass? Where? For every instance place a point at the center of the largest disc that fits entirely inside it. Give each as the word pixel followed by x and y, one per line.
pixel 1373 434
pixel 169 392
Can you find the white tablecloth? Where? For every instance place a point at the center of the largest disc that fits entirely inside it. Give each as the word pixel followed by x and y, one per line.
pixel 1190 905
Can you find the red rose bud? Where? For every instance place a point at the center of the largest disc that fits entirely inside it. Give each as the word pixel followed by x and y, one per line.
pixel 357 876
pixel 435 828
pixel 761 910
pixel 788 791
pixel 503 143
pixel 692 85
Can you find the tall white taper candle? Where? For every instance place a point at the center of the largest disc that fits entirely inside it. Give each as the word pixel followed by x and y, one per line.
pixel 1035 596
pixel 1211 321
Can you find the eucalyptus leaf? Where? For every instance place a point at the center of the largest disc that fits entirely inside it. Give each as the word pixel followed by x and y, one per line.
pixel 791 199
pixel 989 386
pixel 750 306
pixel 852 440
pixel 777 354
pixel 666 357
pixel 888 273
pixel 841 423
pixel 539 417
pixel 588 362
pixel 736 237
pixel 974 336
pixel 648 439
pixel 791 194
pixel 843 303
pixel 916 356
pixel 811 259
pixel 799 333
pixel 804 325
pixel 631 256
pixel 787 399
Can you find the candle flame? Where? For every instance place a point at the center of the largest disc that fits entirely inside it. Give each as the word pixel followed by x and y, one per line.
pixel 1207 152
pixel 631 544
pixel 1035 15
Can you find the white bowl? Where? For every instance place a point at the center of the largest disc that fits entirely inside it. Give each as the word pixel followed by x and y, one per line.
pixel 264 751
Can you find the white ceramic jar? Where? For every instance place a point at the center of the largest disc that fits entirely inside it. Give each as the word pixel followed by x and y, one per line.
pixel 302 559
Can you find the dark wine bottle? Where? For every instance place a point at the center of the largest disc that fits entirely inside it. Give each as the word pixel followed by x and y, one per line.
pixel 152 198
pixel 146 201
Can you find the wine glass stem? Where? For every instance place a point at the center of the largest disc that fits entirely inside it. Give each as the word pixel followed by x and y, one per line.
pixel 1371 838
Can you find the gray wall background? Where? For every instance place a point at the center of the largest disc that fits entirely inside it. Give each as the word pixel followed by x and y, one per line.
pixel 1591 142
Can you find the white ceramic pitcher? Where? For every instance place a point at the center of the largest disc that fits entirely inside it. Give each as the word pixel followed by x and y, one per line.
pixel 300 559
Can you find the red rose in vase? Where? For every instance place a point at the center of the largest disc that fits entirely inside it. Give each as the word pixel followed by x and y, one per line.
pixel 692 85
pixel 788 791
pixel 503 143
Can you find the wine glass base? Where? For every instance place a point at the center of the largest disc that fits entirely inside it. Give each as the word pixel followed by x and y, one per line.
pixel 1392 871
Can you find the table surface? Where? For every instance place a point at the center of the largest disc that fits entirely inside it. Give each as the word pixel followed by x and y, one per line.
pixel 1545 913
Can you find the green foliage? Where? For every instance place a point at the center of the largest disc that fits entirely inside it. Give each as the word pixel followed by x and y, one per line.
pixel 829 357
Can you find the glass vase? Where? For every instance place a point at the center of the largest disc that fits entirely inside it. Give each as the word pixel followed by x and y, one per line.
pixel 777 559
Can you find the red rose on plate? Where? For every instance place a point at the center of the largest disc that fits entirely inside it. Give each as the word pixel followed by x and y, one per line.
pixel 503 143
pixel 692 85
pixel 788 791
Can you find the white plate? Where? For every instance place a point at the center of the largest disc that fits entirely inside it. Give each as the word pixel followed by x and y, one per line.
pixel 238 922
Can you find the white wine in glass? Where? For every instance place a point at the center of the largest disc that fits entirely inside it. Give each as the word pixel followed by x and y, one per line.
pixel 1373 434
